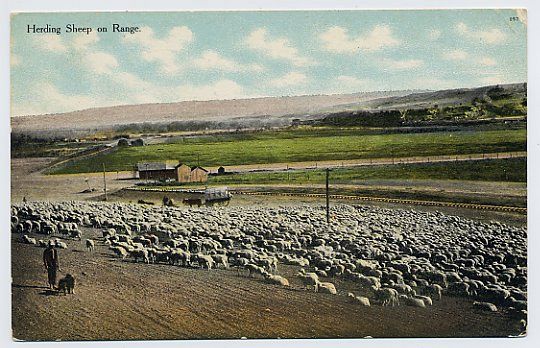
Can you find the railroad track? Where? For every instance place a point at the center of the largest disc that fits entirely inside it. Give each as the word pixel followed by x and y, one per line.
pixel 510 209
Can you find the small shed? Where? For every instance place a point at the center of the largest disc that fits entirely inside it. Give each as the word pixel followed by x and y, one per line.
pixel 198 174
pixel 183 173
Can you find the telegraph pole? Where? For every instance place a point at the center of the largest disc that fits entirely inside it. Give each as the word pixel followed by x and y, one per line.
pixel 104 182
pixel 327 197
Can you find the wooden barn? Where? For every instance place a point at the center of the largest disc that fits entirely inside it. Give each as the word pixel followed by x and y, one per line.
pixel 157 171
pixel 198 174
pixel 163 171
pixel 183 173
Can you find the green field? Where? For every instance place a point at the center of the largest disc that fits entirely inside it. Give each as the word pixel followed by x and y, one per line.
pixel 291 146
pixel 510 170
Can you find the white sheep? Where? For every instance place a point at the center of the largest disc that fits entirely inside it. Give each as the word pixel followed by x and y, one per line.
pixel 276 279
pixel 386 296
pixel 119 251
pixel 308 279
pixel 364 301
pixel 29 240
pixel 326 288
pixel 60 244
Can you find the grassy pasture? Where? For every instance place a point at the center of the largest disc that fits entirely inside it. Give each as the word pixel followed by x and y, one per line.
pixel 294 146
pixel 510 170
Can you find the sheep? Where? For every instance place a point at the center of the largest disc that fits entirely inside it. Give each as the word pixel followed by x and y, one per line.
pixel 364 301
pixel 276 279
pixel 325 287
pixel 179 256
pixel 140 254
pixel 60 244
pixel 119 251
pixel 220 260
pixel 414 302
pixel 308 279
pixel 485 306
pixel 254 270
pixel 427 300
pixel 90 245
pixel 205 261
pixel 433 290
pixel 386 296
pixel 28 240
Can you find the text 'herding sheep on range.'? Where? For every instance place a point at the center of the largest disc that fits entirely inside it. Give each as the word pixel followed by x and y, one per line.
pixel 73 28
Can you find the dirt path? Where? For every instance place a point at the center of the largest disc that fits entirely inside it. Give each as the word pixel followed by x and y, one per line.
pixel 118 300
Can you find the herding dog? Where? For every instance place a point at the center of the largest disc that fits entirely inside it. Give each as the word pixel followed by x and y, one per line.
pixel 67 284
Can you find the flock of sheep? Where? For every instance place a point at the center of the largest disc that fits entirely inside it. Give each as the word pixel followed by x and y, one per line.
pixel 392 256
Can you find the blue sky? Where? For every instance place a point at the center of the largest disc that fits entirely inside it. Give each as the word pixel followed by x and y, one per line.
pixel 225 55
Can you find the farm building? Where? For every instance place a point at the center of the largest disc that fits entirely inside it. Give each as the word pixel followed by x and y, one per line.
pixel 171 171
pixel 198 174
pixel 157 171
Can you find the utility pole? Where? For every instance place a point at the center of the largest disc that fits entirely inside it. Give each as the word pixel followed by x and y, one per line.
pixel 327 197
pixel 104 182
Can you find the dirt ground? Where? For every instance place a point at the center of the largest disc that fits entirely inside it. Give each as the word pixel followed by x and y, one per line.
pixel 123 300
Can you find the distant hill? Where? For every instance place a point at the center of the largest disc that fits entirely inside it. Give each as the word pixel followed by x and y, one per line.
pixel 498 103
pixel 270 111
pixel 214 110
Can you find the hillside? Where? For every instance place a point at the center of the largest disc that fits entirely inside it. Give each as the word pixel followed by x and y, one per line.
pixel 213 110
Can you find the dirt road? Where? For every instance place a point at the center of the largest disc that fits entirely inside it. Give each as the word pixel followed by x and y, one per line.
pixel 117 300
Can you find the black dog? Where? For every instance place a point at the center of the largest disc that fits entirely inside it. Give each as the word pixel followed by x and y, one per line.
pixel 67 284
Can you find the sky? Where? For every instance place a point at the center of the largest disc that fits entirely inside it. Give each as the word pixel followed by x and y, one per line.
pixel 179 56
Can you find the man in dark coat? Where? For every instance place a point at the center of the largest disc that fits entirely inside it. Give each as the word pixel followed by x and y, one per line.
pixel 50 261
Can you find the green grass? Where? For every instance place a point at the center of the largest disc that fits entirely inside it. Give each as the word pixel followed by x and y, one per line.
pixel 510 170
pixel 291 146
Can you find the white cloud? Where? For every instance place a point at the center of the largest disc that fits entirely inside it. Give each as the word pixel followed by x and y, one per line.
pixel 82 42
pixel 212 60
pixel 52 43
pixel 492 36
pixel 290 79
pixel 162 51
pixel 100 62
pixel 405 64
pixel 457 54
pixel 487 61
pixel 48 99
pixel 434 34
pixel 276 48
pixel 336 39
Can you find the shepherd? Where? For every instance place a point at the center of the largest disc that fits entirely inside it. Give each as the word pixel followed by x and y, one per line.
pixel 50 261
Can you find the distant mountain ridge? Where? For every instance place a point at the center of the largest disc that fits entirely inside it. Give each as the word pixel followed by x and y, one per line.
pixel 213 110
pixel 268 110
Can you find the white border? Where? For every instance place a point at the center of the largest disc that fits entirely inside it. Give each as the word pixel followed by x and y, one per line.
pixel 6 7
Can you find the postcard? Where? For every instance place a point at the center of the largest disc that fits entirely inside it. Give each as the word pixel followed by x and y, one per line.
pixel 268 174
